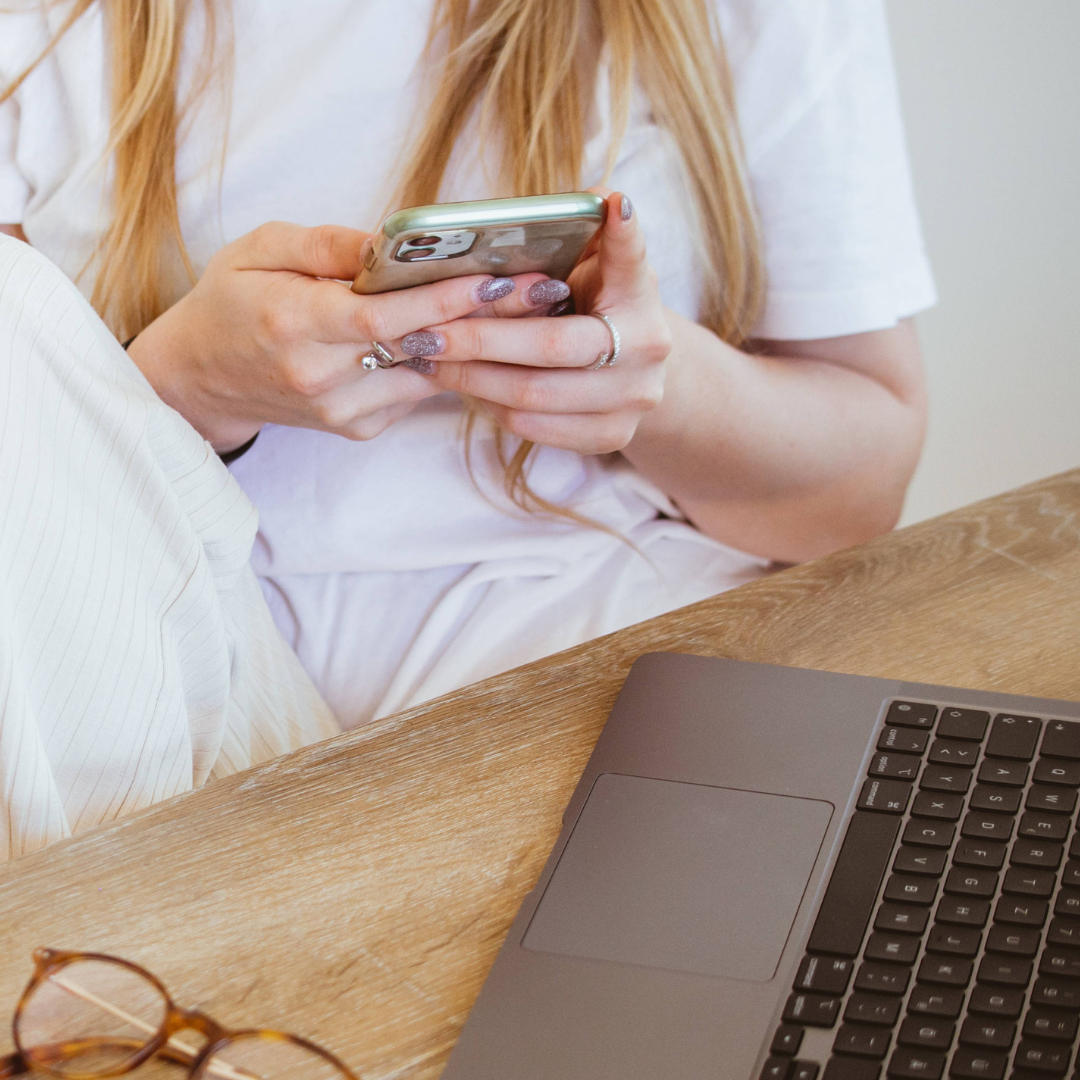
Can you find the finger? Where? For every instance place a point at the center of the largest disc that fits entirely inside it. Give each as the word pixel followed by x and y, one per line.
pixel 573 341
pixel 349 406
pixel 534 294
pixel 327 251
pixel 336 314
pixel 584 433
pixel 623 263
pixel 544 390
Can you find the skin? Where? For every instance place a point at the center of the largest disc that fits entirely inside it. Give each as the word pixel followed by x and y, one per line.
pixel 789 450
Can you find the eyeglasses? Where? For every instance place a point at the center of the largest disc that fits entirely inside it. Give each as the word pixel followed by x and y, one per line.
pixel 85 1016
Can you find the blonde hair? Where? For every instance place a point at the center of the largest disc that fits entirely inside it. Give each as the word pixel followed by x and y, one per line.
pixel 529 66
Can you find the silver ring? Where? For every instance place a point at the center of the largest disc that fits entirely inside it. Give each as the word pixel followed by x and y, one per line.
pixel 383 355
pixel 606 359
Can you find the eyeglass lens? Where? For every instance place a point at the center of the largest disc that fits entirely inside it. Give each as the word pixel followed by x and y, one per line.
pixel 89 1018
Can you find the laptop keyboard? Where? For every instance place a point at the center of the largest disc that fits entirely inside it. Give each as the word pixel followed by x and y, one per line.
pixel 948 940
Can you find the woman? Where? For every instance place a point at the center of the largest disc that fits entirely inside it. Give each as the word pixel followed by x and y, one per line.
pixel 767 405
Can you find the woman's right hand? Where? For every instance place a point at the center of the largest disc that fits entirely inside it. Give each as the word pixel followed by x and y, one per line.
pixel 272 333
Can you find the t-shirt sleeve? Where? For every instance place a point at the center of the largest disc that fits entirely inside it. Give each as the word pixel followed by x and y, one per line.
pixel 23 34
pixel 828 167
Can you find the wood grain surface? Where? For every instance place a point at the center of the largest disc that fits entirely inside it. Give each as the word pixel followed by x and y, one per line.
pixel 356 892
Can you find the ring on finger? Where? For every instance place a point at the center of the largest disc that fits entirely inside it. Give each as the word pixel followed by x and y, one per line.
pixel 607 359
pixel 379 356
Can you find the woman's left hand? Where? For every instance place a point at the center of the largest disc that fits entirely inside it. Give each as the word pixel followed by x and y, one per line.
pixel 533 374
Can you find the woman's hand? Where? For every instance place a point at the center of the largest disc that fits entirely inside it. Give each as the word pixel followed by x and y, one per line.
pixel 533 374
pixel 273 333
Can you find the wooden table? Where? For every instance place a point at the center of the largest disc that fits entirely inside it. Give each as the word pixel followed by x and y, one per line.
pixel 357 891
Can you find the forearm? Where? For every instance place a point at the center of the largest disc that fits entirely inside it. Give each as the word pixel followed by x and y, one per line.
pixel 786 457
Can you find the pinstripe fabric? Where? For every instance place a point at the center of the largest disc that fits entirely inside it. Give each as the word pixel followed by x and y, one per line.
pixel 137 655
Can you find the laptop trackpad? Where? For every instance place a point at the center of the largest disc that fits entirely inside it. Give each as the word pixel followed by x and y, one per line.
pixel 681 876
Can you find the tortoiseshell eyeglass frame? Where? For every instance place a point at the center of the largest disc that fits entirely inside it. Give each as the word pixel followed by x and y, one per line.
pixel 48 962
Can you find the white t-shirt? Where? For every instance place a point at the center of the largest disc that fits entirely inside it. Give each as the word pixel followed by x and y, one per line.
pixel 324 98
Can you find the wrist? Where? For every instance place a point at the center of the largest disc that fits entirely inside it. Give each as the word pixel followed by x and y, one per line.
pixel 172 366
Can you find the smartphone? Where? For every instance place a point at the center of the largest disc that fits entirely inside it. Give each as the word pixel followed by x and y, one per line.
pixel 544 233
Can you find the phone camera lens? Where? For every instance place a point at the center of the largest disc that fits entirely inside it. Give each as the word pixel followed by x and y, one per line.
pixel 424 241
pixel 416 253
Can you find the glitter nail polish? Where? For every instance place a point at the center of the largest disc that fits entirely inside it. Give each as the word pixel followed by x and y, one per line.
pixel 548 292
pixel 423 343
pixel 422 365
pixel 626 209
pixel 564 308
pixel 495 289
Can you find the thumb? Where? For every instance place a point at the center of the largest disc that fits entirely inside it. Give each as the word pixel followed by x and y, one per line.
pixel 623 266
pixel 325 251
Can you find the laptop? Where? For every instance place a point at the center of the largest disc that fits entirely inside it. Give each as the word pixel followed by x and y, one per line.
pixel 775 873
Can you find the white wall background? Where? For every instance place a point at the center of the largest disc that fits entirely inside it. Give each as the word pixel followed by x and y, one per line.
pixel 991 93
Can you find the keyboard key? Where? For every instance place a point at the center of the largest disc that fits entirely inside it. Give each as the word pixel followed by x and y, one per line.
pixel 864 1041
pixel 1005 971
pixel 1043 826
pixel 787 1040
pixel 930 804
pixel 856 878
pixel 897 948
pixel 1062 739
pixel 851 1068
pixel 824 975
pixel 1043 1023
pixel 1012 940
pixel 812 1010
pixel 1057 800
pixel 1057 992
pixel 967 882
pixel 987 853
pixel 1020 911
pixel 872 1009
pixel 1067 902
pixel 1049 771
pixel 1063 931
pixel 913 860
pixel 941 1001
pixel 954 940
pixel 996 1034
pixel 926 1031
pixel 962 911
pixel 882 978
pixel 911 714
pixel 1036 853
pixel 984 1064
pixel 944 778
pixel 963 724
pixel 928 833
pixel 1006 773
pixel 776 1068
pixel 884 796
pixel 905 918
pixel 944 752
pixel 995 1001
pixel 979 825
pixel 916 1064
pixel 1042 1057
pixel 1074 847
pixel 804 1070
pixel 1013 737
pixel 992 797
pixel 911 889
pixel 1071 874
pixel 903 740
pixel 1061 962
pixel 897 766
pixel 1026 881
pixel 945 971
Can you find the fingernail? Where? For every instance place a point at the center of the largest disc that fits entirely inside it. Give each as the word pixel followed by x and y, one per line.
pixel 423 343
pixel 565 308
pixel 419 363
pixel 626 209
pixel 494 289
pixel 547 292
